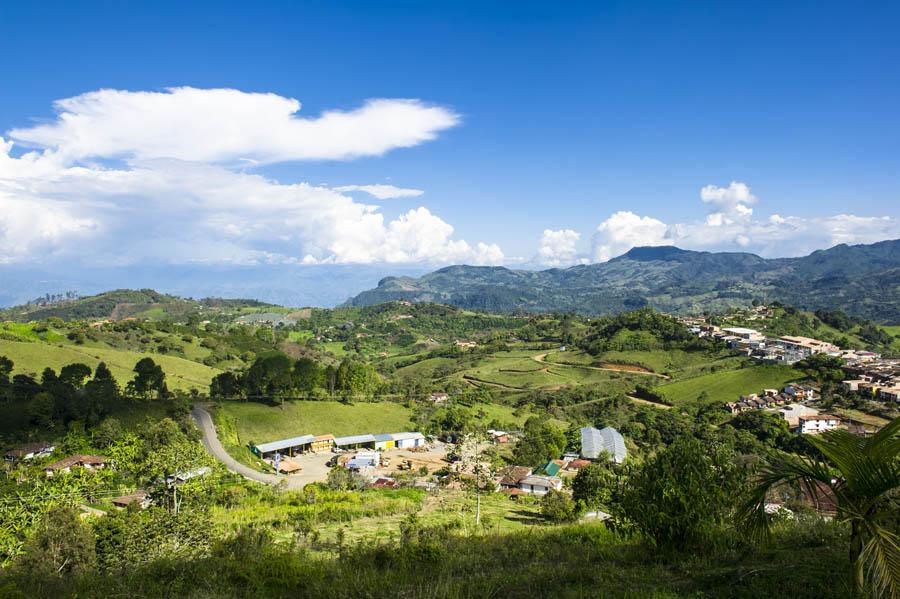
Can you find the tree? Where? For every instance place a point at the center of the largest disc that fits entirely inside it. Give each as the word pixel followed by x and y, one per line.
pixel 226 385
pixel 149 378
pixel 308 375
pixel 6 367
pixel 62 544
pixel 102 388
pixel 74 374
pixel 593 486
pixel 825 369
pixel 862 475
pixel 768 427
pixel 681 497
pixel 269 376
pixel 541 441
pixel 557 506
pixel 356 378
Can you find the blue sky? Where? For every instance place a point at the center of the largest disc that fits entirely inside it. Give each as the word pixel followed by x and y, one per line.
pixel 577 131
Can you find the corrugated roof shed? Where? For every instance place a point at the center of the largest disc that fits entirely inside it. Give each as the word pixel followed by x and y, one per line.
pixel 354 440
pixel 594 442
pixel 384 437
pixel 285 443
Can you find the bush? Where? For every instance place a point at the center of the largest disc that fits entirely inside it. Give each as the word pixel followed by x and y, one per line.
pixel 557 506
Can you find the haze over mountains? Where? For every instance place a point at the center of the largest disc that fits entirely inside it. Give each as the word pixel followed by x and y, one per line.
pixel 863 280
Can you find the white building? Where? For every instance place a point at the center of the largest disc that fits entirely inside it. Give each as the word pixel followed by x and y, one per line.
pixel 793 412
pixel 813 425
pixel 540 485
pixel 407 440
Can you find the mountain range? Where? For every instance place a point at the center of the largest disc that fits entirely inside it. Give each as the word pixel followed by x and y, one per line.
pixel 862 280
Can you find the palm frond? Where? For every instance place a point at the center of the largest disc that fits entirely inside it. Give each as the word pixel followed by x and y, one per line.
pixel 880 559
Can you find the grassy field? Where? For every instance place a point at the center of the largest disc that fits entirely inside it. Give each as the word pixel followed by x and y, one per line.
pixel 259 423
pixel 727 385
pixel 32 358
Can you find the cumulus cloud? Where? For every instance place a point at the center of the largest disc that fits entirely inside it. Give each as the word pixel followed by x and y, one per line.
pixel 381 191
pixel 163 188
pixel 625 230
pixel 226 125
pixel 731 225
pixel 558 248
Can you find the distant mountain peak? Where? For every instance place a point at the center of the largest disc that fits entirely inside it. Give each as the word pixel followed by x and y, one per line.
pixel 656 252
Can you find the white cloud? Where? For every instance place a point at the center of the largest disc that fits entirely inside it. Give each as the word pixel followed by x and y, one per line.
pixel 731 226
pixel 126 177
pixel 625 230
pixel 228 125
pixel 381 191
pixel 558 248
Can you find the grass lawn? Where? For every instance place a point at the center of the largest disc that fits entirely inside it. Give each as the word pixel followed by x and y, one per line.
pixel 424 368
pixel 727 385
pixel 32 358
pixel 260 423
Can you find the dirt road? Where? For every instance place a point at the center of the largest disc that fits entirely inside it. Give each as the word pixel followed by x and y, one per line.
pixel 314 468
pixel 540 358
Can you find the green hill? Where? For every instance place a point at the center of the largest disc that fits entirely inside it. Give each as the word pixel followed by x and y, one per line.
pixel 33 357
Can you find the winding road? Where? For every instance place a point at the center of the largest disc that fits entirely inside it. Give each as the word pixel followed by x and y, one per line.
pixel 312 471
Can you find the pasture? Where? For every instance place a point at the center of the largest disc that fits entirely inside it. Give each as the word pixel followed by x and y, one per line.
pixel 33 357
pixel 728 385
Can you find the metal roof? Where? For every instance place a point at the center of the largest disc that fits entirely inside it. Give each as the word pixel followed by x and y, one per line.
pixel 407 436
pixel 354 440
pixel 535 480
pixel 384 437
pixel 285 443
pixel 594 442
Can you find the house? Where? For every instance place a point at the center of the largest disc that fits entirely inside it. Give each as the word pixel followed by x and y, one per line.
pixel 354 442
pixel 817 423
pixel 439 397
pixel 577 464
pixel 408 440
pixel 792 413
pixel 465 344
pixel 511 476
pixel 499 437
pixel 540 485
pixel 745 334
pixel 800 393
pixel 290 447
pixel 889 394
pixel 29 451
pixel 595 442
pixel 88 462
pixel 798 348
pixel 139 498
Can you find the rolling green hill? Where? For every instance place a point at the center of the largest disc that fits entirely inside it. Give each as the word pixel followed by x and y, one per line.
pixel 33 357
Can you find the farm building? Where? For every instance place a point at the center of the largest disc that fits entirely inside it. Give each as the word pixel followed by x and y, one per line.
pixel 290 447
pixel 607 440
pixel 355 442
pixel 407 440
pixel 540 485
pixel 384 441
pixel 322 443
pixel 139 498
pixel 363 460
pixel 29 451
pixel 88 462
pixel 511 476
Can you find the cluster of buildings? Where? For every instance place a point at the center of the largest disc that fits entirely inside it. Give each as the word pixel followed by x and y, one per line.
pixel 786 349
pixel 876 378
pixel 274 451
pixel 800 418
pixel 596 445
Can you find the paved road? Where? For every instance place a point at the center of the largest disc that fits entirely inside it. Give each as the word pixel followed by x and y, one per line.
pixel 314 468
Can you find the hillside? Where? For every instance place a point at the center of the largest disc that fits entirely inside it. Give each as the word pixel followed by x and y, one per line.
pixel 124 303
pixel 862 280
